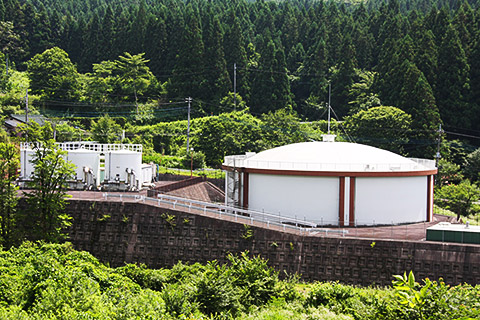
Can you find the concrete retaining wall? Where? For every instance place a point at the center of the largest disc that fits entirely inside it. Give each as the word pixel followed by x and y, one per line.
pixel 120 233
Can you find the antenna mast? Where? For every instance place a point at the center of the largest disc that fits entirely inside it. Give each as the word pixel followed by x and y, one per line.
pixel 188 100
pixel 329 93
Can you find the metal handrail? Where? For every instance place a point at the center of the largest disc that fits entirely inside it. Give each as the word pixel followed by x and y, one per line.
pixel 247 216
pixel 96 147
pixel 415 165
pixel 389 230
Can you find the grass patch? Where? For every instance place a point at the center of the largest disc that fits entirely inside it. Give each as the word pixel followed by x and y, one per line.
pixel 209 173
pixel 473 219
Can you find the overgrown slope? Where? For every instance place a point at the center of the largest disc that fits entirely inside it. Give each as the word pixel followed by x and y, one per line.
pixel 46 281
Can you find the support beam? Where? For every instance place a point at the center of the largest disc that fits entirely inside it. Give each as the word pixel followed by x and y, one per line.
pixel 352 202
pixel 245 189
pixel 341 202
pixel 429 198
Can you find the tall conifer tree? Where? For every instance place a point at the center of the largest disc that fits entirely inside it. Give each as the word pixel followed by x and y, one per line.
pixel 474 97
pixel 187 77
pixel 217 78
pixel 235 53
pixel 453 82
pixel 417 99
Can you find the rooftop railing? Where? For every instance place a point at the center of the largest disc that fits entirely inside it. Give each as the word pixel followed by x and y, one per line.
pixel 96 147
pixel 416 164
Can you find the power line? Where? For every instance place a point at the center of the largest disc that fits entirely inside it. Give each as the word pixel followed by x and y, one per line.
pixel 462 135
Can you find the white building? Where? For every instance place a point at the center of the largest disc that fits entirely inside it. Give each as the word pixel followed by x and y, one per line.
pixel 332 183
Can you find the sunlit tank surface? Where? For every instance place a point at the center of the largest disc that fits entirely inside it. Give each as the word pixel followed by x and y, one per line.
pixel 26 166
pixel 81 159
pixel 332 183
pixel 117 163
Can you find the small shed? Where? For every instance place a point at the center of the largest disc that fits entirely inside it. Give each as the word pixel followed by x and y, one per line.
pixel 14 120
pixel 459 233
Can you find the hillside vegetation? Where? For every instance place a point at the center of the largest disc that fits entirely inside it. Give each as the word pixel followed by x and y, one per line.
pixel 142 59
pixel 47 281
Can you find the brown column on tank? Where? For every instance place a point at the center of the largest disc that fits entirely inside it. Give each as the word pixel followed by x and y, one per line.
pixel 352 202
pixel 429 198
pixel 245 190
pixel 341 204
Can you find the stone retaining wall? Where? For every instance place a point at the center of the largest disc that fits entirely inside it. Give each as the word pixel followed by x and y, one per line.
pixel 120 233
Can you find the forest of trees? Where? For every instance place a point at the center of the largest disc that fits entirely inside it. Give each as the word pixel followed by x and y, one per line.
pixel 419 56
pixel 146 57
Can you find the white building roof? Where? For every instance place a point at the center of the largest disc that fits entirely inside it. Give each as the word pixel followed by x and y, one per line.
pixel 329 156
pixel 447 226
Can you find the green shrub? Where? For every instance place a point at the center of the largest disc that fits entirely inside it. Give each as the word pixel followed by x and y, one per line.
pixel 343 299
pixel 56 282
pixel 146 278
pixel 197 158
pixel 435 300
pixel 278 309
pixel 215 292
pixel 13 312
pixel 178 299
pixel 287 288
pixel 256 279
pixel 324 294
pixel 185 273
pixel 52 281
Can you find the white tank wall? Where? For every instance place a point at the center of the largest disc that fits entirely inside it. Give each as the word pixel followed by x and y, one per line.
pixel 84 158
pixel 387 200
pixel 315 198
pixel 26 166
pixel 116 162
pixel 147 173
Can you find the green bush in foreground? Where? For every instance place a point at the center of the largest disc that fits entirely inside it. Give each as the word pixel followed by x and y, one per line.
pixel 51 281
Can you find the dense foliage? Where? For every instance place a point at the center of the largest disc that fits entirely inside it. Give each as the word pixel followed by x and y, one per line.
pixel 225 134
pixel 459 198
pixel 143 58
pixel 46 281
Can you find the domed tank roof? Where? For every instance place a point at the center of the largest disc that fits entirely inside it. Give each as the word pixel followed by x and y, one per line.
pixel 331 156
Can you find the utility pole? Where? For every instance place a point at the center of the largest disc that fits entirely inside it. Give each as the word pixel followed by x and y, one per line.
pixel 26 106
pixel 439 141
pixel 437 156
pixel 235 86
pixel 188 100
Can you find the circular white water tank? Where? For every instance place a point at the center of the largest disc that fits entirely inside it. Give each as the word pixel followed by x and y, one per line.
pixel 27 168
pixel 81 158
pixel 334 183
pixel 117 163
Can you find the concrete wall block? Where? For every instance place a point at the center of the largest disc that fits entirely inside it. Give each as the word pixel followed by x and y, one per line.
pixel 146 237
